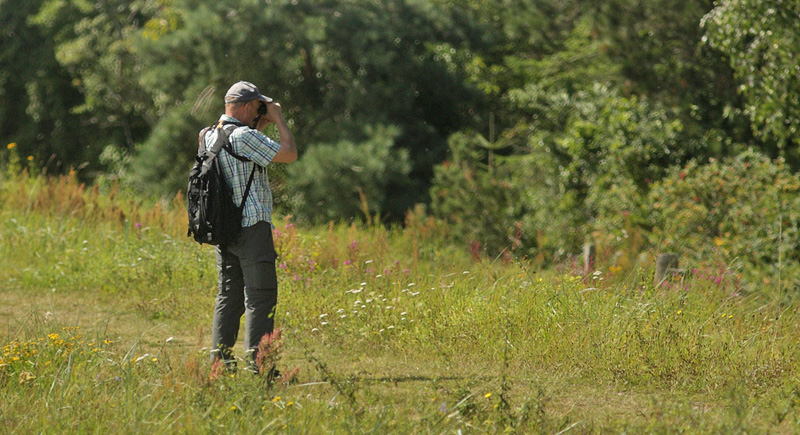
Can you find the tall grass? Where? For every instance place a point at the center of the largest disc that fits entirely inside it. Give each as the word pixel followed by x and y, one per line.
pixel 394 331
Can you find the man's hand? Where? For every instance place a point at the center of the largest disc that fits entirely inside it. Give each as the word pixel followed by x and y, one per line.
pixel 274 112
pixel 288 151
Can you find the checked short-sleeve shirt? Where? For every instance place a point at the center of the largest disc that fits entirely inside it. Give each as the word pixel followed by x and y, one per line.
pixel 260 149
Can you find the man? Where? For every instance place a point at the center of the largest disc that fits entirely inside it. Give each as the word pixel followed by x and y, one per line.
pixel 247 278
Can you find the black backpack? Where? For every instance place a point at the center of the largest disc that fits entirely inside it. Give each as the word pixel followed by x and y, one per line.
pixel 213 216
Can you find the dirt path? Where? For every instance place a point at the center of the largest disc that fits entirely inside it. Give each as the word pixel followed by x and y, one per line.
pixel 25 314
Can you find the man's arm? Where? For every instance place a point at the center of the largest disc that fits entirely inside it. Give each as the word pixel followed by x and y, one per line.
pixel 288 151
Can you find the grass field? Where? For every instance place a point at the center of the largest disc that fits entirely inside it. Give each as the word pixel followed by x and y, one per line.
pixel 105 314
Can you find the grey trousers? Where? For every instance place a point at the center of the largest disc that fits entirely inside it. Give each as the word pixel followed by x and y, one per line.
pixel 248 284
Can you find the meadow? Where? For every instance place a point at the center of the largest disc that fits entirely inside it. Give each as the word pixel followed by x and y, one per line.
pixel 106 312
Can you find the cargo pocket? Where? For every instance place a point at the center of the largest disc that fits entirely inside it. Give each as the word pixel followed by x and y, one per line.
pixel 258 256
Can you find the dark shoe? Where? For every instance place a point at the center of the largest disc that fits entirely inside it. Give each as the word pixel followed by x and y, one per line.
pixel 273 374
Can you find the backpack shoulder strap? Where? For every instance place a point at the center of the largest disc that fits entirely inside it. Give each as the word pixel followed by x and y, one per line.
pixel 227 144
pixel 221 143
pixel 229 149
pixel 247 189
pixel 201 142
pixel 207 155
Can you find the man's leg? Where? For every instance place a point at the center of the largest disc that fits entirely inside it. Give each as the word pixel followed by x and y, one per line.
pixel 257 257
pixel 229 305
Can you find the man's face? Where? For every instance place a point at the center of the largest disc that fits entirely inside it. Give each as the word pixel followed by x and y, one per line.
pixel 252 112
pixel 252 108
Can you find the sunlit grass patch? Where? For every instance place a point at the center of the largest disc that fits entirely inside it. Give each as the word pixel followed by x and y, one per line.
pixel 30 359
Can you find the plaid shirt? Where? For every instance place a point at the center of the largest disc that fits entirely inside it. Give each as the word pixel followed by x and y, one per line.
pixel 260 149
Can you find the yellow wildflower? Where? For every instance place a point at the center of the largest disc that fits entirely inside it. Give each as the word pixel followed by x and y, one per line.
pixel 12 145
pixel 25 377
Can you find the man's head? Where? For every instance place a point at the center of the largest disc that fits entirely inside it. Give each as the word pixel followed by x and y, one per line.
pixel 242 92
pixel 243 101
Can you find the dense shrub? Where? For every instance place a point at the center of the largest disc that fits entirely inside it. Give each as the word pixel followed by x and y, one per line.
pixel 347 179
pixel 552 191
pixel 476 194
pixel 618 147
pixel 743 210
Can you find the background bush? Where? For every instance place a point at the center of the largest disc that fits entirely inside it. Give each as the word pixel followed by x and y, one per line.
pixel 550 192
pixel 743 211
pixel 349 179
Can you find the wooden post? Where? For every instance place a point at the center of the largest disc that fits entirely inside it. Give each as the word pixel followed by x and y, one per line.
pixel 588 258
pixel 666 264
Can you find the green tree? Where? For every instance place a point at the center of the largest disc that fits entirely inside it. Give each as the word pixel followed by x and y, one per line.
pixel 348 179
pixel 92 41
pixel 530 184
pixel 606 97
pixel 36 93
pixel 477 194
pixel 527 44
pixel 760 41
pixel 559 186
pixel 658 46
pixel 335 66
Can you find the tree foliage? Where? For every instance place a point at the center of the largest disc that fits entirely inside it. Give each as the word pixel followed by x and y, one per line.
pixel 760 42
pixel 335 66
pixel 349 179
pixel 36 94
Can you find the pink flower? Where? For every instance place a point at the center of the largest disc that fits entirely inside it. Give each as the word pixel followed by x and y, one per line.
pixel 217 368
